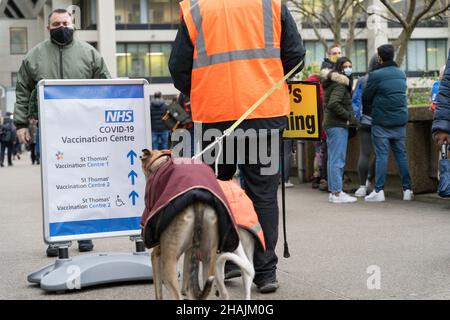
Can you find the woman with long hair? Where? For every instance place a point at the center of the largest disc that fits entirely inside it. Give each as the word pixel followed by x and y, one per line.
pixel 339 117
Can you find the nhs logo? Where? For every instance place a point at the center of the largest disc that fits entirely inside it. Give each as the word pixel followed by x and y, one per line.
pixel 114 116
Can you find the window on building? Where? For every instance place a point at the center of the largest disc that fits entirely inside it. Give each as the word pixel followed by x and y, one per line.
pixel 144 60
pixel 147 14
pixel 315 53
pixel 18 40
pixel 426 55
pixel 88 11
pixel 359 56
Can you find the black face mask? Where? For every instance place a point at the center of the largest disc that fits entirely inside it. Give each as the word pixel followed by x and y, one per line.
pixel 62 35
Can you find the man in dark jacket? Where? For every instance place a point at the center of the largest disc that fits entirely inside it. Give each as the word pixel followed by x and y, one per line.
pixel 262 189
pixel 386 93
pixel 60 57
pixel 160 133
pixel 441 122
pixel 7 139
pixel 333 54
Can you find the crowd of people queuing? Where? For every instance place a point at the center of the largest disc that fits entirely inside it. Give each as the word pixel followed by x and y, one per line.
pixel 375 109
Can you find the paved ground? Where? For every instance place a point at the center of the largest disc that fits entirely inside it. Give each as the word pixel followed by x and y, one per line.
pixel 331 246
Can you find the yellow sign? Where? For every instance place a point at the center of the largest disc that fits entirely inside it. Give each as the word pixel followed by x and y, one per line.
pixel 303 120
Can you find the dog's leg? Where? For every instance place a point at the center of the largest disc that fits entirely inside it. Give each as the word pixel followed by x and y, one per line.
pixel 186 268
pixel 174 241
pixel 210 243
pixel 156 268
pixel 245 251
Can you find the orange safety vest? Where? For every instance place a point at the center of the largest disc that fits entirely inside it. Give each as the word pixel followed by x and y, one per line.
pixel 242 209
pixel 236 58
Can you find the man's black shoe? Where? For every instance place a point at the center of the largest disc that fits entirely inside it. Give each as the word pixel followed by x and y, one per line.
pixel 85 245
pixel 233 273
pixel 269 287
pixel 52 251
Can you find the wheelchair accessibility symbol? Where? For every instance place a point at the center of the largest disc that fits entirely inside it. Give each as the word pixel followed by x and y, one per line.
pixel 119 202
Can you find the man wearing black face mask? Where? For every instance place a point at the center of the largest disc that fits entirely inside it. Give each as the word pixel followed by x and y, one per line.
pixel 61 57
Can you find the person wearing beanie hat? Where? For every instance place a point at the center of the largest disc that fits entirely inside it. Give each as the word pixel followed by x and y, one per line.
pixel 386 93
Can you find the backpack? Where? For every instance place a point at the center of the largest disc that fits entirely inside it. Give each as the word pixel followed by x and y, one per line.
pixel 175 117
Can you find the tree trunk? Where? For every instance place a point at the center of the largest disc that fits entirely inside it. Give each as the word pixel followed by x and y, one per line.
pixel 402 44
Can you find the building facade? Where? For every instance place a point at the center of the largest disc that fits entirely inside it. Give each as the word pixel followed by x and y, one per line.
pixel 135 38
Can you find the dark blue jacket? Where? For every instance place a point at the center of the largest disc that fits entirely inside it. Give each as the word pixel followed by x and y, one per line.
pixel 442 114
pixel 386 93
pixel 158 108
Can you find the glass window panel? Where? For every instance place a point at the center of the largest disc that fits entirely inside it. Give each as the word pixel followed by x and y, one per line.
pixel 315 52
pixel 136 56
pixel 133 11
pixel 18 40
pixel 359 56
pixel 159 58
pixel 120 14
pixel 175 11
pixel 417 59
pixel 88 12
pixel 160 11
pixel 121 57
pixel 436 54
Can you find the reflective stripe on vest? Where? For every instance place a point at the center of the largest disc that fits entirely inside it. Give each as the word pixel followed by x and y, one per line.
pixel 204 60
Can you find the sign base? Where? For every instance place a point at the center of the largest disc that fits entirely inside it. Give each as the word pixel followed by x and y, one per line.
pixel 94 269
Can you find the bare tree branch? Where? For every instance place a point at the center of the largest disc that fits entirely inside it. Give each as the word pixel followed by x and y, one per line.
pixel 437 13
pixel 395 13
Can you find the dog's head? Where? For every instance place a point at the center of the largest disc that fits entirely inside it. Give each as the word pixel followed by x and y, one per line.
pixel 151 160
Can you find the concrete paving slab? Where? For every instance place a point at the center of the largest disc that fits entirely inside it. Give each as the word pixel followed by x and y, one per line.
pixel 331 246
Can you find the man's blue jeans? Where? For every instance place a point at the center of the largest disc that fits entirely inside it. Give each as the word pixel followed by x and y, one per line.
pixel 160 140
pixel 382 139
pixel 337 139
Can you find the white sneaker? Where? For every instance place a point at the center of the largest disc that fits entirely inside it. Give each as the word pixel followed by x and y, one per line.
pixel 288 184
pixel 361 192
pixel 342 198
pixel 375 196
pixel 408 195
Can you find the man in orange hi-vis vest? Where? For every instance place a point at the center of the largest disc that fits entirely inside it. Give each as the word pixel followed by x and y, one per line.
pixel 227 54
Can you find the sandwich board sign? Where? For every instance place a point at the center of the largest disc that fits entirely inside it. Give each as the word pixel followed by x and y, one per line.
pixel 92 132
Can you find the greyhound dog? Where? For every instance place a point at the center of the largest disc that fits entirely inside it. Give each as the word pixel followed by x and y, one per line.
pixel 194 231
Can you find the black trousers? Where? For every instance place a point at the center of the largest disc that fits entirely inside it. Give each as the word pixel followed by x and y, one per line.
pixel 259 186
pixel 10 147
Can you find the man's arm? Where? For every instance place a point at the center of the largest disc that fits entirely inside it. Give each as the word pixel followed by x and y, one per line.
pixel 100 70
pixel 24 87
pixel 181 60
pixel 292 50
pixel 369 90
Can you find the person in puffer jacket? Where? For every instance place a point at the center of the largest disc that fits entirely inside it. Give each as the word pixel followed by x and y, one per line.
pixel 386 93
pixel 441 122
pixel 339 116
